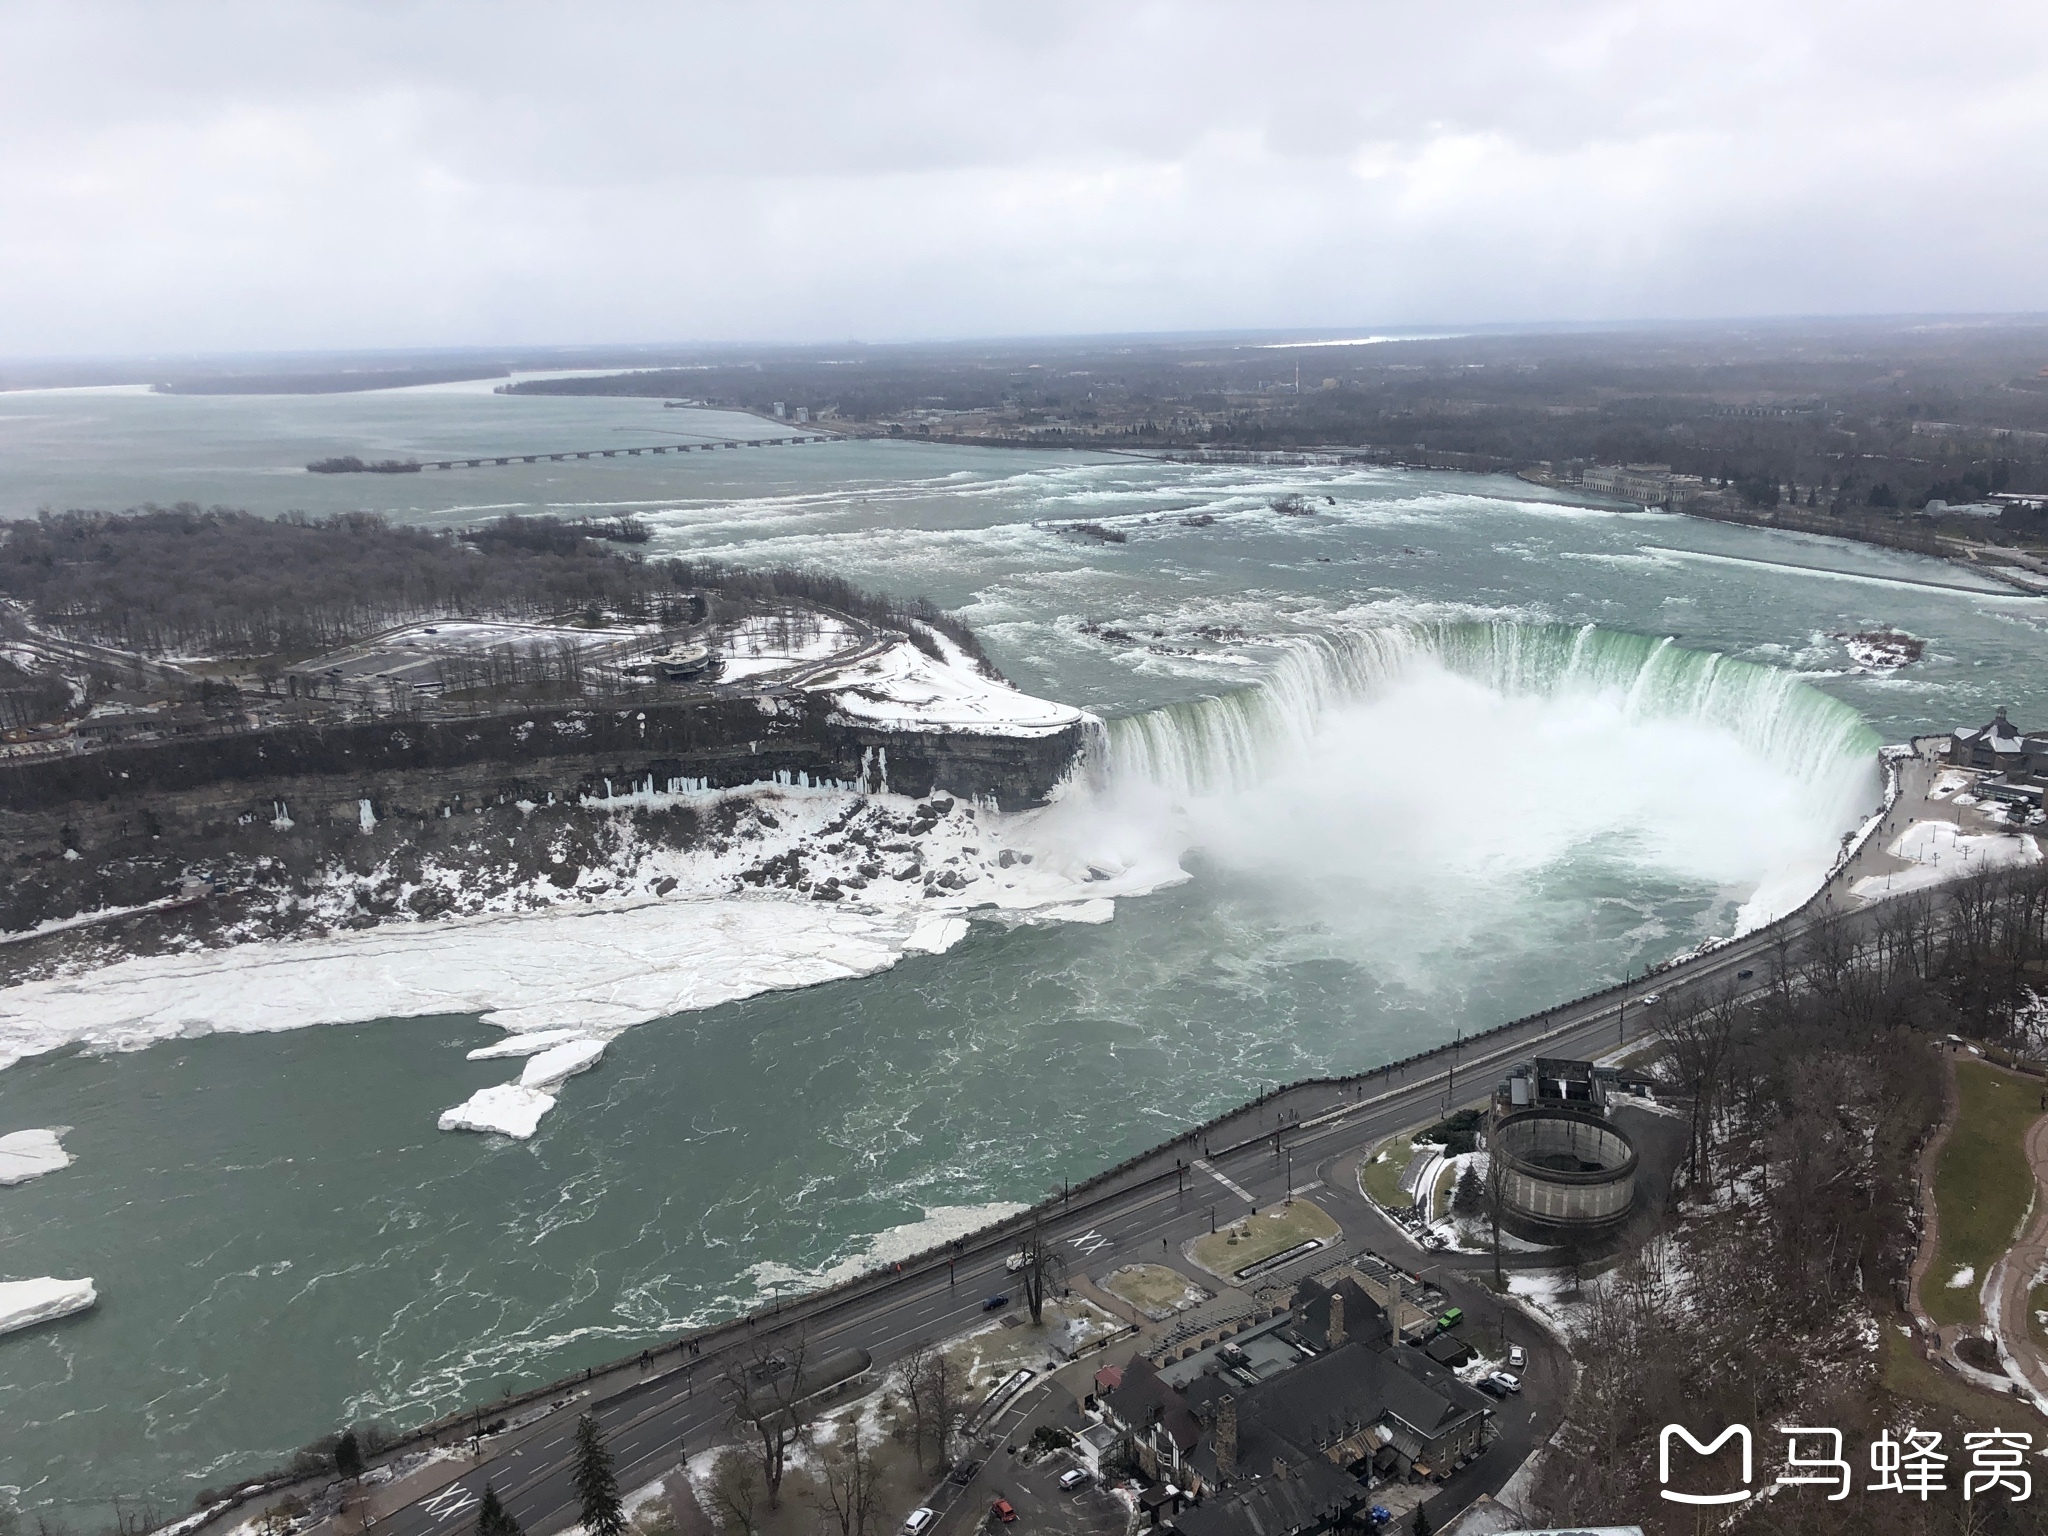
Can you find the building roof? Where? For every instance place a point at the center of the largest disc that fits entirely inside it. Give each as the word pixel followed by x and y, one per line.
pixel 1307 1497
pixel 1141 1398
pixel 2001 735
pixel 1333 1398
pixel 1364 1318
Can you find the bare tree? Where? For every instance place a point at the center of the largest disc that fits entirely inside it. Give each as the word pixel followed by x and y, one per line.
pixel 769 1391
pixel 1496 1198
pixel 735 1490
pixel 1698 1032
pixel 1044 1270
pixel 850 1488
pixel 932 1388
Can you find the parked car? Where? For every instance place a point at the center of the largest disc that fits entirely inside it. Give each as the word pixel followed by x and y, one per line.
pixel 1507 1380
pixel 1016 1261
pixel 1744 975
pixel 1073 1478
pixel 1518 1357
pixel 997 1302
pixel 963 1472
pixel 1451 1319
pixel 1650 999
pixel 1490 1387
pixel 921 1520
pixel 1003 1510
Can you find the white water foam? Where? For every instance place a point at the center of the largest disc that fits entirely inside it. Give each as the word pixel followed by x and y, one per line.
pixel 1427 772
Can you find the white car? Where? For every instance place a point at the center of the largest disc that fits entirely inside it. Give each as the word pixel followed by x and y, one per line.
pixel 1506 1379
pixel 920 1521
pixel 1015 1262
pixel 1518 1357
pixel 1073 1478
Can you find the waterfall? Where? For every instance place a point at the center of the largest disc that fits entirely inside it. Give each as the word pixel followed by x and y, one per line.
pixel 1231 741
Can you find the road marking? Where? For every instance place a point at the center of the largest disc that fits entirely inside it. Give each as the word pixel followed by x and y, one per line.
pixel 450 1502
pixel 1090 1242
pixel 1227 1182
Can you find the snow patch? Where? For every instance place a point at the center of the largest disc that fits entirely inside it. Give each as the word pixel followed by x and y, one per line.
pixel 26 1155
pixel 25 1303
pixel 1940 851
pixel 1962 1278
pixel 904 688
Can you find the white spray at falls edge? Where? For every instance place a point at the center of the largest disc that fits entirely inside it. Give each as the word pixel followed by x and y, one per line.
pixel 1427 786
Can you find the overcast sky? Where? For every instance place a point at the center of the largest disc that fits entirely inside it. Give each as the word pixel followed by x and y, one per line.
pixel 282 175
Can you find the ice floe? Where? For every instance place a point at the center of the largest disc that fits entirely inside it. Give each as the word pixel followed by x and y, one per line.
pixel 24 1303
pixel 508 1109
pixel 525 1045
pixel 26 1155
pixel 559 1063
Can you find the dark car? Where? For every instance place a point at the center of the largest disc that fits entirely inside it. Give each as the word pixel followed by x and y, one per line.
pixel 1744 975
pixel 997 1302
pixel 963 1472
pixel 1490 1387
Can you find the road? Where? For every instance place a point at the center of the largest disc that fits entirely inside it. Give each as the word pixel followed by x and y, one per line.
pixel 652 1423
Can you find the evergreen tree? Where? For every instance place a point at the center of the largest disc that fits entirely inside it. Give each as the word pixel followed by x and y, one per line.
pixel 1469 1199
pixel 597 1486
pixel 1422 1525
pixel 348 1455
pixel 493 1518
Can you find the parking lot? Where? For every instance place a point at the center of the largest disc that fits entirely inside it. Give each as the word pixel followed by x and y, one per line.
pixel 1041 1504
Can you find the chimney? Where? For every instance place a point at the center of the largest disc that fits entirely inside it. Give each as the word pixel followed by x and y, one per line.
pixel 1335 1335
pixel 1226 1437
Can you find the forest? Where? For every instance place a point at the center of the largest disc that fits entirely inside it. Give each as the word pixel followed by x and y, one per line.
pixel 1776 1296
pixel 184 581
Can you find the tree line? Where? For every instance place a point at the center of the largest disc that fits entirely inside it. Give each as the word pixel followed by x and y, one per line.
pixel 1806 1111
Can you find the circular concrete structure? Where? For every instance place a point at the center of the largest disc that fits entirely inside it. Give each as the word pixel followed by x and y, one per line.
pixel 1569 1173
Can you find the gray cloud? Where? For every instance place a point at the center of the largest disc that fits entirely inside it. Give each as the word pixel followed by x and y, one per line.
pixel 287 175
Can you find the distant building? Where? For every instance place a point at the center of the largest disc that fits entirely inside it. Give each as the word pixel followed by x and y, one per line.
pixel 803 414
pixel 781 409
pixel 1650 484
pixel 2018 757
pixel 1936 507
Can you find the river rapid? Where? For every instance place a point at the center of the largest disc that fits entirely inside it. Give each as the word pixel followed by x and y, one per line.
pixel 1446 751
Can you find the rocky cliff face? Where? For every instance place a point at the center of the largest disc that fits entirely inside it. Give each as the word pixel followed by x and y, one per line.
pixel 116 828
pixel 420 767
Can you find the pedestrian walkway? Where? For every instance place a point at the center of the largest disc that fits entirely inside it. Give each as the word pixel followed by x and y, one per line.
pixel 2009 1292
